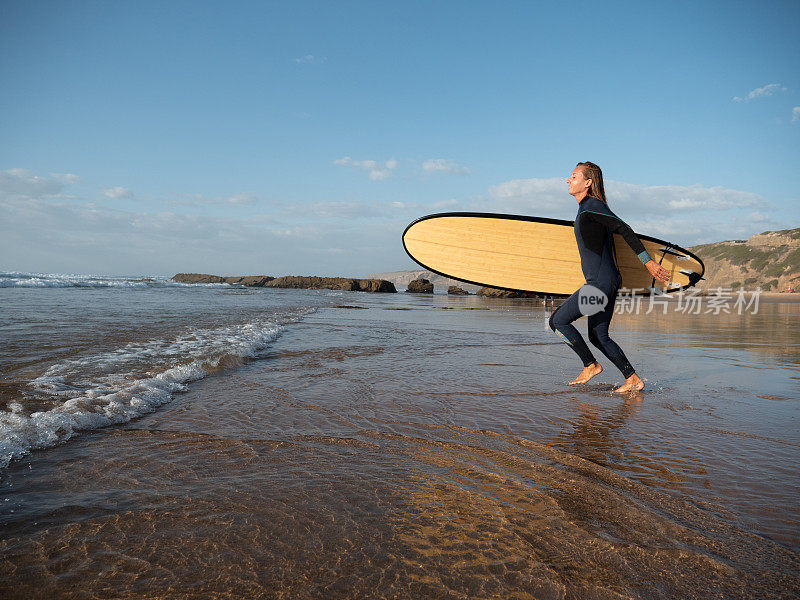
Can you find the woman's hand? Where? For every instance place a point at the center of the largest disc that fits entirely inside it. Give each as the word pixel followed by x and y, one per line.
pixel 657 271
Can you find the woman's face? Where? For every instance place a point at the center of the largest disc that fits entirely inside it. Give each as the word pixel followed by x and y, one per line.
pixel 577 183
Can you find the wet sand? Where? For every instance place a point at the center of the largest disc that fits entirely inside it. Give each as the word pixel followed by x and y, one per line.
pixel 428 447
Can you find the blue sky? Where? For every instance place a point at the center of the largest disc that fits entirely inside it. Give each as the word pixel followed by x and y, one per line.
pixel 301 137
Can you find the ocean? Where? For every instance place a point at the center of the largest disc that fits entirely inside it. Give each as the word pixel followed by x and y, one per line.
pixel 212 441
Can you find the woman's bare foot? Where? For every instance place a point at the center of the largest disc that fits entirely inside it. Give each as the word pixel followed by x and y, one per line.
pixel 632 384
pixel 587 374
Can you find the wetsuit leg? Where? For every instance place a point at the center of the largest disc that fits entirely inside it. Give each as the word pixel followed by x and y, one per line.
pixel 598 336
pixel 560 322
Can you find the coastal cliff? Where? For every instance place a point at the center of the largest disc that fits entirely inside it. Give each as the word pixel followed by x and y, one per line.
pixel 769 260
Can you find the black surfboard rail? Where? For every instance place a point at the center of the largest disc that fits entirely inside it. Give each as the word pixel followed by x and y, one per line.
pixel 667 248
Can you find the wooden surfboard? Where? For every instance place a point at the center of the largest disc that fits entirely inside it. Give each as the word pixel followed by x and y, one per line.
pixel 532 254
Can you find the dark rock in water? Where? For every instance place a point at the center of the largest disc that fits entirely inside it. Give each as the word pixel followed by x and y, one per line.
pixel 332 283
pixel 454 290
pixel 300 282
pixel 376 285
pixel 251 280
pixel 495 293
pixel 420 286
pixel 295 282
pixel 198 278
pixel 248 280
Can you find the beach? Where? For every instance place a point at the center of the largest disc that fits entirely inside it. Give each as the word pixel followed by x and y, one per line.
pixel 213 441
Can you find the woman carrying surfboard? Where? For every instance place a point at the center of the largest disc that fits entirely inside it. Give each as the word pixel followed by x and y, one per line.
pixel 595 226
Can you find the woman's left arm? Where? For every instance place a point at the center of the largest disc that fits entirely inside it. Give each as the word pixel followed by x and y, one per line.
pixel 617 225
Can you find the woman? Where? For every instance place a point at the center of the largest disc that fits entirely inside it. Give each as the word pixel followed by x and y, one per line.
pixel 595 226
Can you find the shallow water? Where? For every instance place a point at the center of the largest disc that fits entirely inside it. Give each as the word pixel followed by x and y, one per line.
pixel 415 446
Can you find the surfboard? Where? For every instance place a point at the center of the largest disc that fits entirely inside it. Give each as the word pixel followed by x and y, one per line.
pixel 533 254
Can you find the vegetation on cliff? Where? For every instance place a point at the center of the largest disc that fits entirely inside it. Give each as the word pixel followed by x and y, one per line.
pixel 769 260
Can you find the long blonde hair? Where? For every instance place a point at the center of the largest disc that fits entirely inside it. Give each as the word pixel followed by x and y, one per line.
pixel 593 172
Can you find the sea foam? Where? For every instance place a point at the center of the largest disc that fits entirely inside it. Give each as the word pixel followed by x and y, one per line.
pixel 61 280
pixel 115 387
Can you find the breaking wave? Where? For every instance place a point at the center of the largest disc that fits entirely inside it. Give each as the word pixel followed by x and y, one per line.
pixel 61 280
pixel 115 387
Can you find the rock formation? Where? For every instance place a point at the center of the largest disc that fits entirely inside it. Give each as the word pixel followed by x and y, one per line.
pixel 495 293
pixel 252 280
pixel 401 279
pixel 454 290
pixel 376 285
pixel 420 286
pixel 292 281
pixel 332 283
pixel 248 280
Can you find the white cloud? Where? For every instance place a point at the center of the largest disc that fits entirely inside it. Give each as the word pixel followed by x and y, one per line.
pixel 118 193
pixel 533 191
pixel 668 198
pixel 796 114
pixel 443 165
pixel 546 193
pixel 42 230
pixel 375 169
pixel 310 59
pixel 767 90
pixel 68 178
pixel 333 210
pixel 688 231
pixel 239 199
pixel 684 214
pixel 414 209
pixel 53 236
pixel 21 183
pixel 759 217
pixel 244 198
pixel 445 203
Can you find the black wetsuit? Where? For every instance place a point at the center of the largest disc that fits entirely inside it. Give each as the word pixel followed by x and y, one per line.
pixel 595 226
